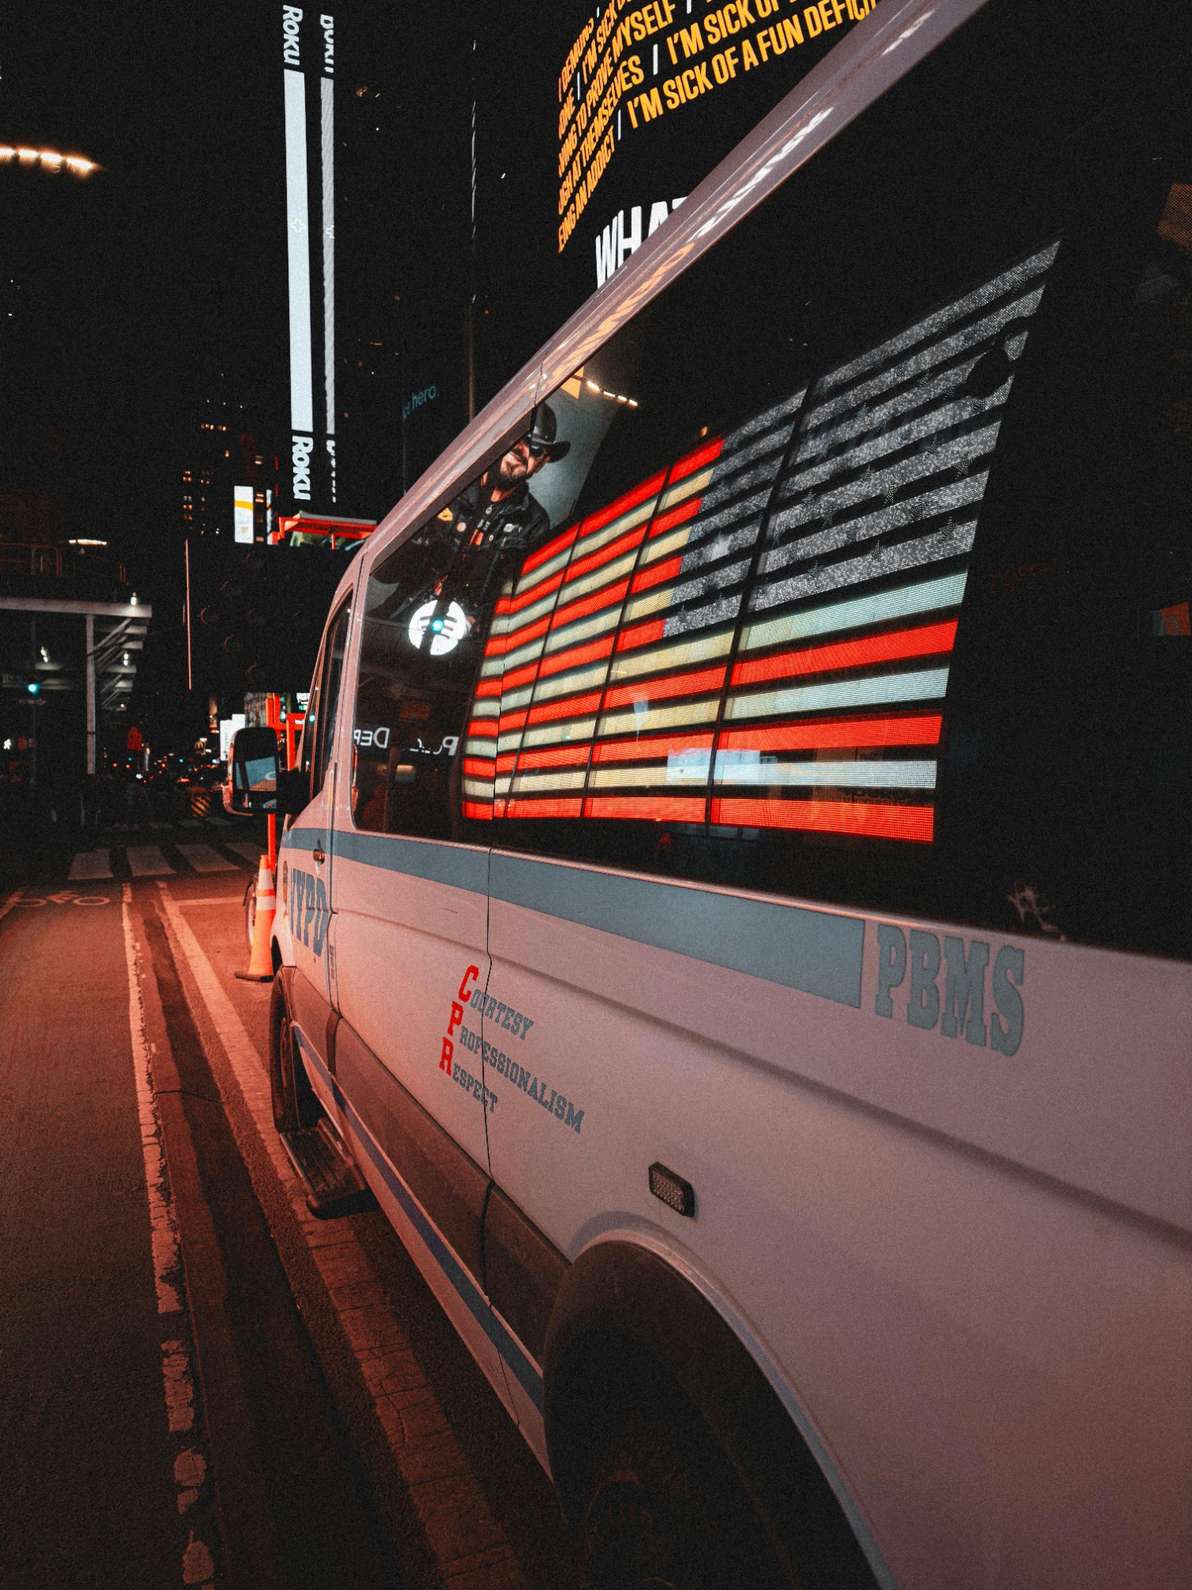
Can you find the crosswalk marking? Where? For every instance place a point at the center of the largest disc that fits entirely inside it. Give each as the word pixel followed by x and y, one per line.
pixel 203 859
pixel 90 864
pixel 245 848
pixel 146 861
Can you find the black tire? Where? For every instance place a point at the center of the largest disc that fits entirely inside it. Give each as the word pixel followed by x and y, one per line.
pixel 294 1104
pixel 664 1509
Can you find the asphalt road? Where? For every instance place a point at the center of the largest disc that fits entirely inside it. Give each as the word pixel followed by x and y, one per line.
pixel 200 1384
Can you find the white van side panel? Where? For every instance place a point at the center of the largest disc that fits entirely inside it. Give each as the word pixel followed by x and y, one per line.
pixel 930 1236
pixel 397 938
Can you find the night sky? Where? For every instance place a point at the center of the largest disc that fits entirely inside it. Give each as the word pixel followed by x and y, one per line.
pixel 131 290
pixel 130 283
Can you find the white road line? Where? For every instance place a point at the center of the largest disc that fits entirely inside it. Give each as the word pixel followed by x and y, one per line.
pixel 245 848
pixel 247 1065
pixel 90 864
pixel 203 859
pixel 166 1258
pixel 178 1377
pixel 147 861
pixel 13 899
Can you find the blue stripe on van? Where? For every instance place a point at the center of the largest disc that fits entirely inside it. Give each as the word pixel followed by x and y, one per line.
pixel 462 866
pixel 474 1300
pixel 816 952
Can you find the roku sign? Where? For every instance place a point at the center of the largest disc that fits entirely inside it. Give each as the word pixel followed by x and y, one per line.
pixel 301 449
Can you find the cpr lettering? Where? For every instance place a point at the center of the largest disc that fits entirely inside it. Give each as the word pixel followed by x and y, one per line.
pixel 464 993
pixel 309 913
pixel 961 1007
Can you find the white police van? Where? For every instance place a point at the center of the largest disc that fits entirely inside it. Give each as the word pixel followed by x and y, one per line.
pixel 740 931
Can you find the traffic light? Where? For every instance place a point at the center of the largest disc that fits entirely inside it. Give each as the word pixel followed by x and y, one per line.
pixel 33 688
pixel 256 614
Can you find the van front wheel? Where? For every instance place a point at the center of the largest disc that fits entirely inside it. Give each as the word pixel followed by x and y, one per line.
pixel 664 1509
pixel 294 1104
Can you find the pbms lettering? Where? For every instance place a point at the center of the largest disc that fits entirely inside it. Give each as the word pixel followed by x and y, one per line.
pixel 948 988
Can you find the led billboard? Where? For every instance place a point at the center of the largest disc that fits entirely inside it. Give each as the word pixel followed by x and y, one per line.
pixel 308 84
pixel 652 93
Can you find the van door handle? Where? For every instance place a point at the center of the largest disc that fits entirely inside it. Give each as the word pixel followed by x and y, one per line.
pixel 319 854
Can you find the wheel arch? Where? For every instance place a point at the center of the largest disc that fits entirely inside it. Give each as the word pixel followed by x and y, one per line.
pixel 623 1304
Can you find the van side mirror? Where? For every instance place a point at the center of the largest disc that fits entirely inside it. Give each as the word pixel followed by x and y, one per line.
pixel 253 768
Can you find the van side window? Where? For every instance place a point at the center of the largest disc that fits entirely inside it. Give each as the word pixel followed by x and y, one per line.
pixel 426 611
pixel 318 736
pixel 806 623
pixel 800 591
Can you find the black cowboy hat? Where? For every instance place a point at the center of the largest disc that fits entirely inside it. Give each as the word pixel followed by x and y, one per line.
pixel 542 432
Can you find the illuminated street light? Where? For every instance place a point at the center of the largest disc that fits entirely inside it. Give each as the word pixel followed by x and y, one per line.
pixel 52 160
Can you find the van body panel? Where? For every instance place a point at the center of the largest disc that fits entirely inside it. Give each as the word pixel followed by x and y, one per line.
pixel 410 952
pixel 993 1293
pixel 447 1183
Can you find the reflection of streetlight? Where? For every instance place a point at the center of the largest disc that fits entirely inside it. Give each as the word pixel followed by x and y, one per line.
pixel 52 160
pixel 446 628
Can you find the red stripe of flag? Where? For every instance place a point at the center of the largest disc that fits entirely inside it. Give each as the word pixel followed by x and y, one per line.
pixel 677 515
pixel 875 820
pixel 869 649
pixel 509 681
pixel 564 707
pixel 698 682
pixel 656 573
pixel 483 728
pixel 501 645
pixel 631 499
pixel 647 808
pixel 646 750
pixel 550 756
pixel 614 549
pixel 551 549
pixel 640 634
pixel 515 604
pixel 609 596
pixel 524 806
pixel 575 656
pixel 697 459
pixel 835 732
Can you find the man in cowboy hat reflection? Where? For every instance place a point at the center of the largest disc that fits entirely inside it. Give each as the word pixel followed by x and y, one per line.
pixel 499 509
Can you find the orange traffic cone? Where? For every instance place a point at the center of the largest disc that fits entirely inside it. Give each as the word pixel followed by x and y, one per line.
pixel 260 963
